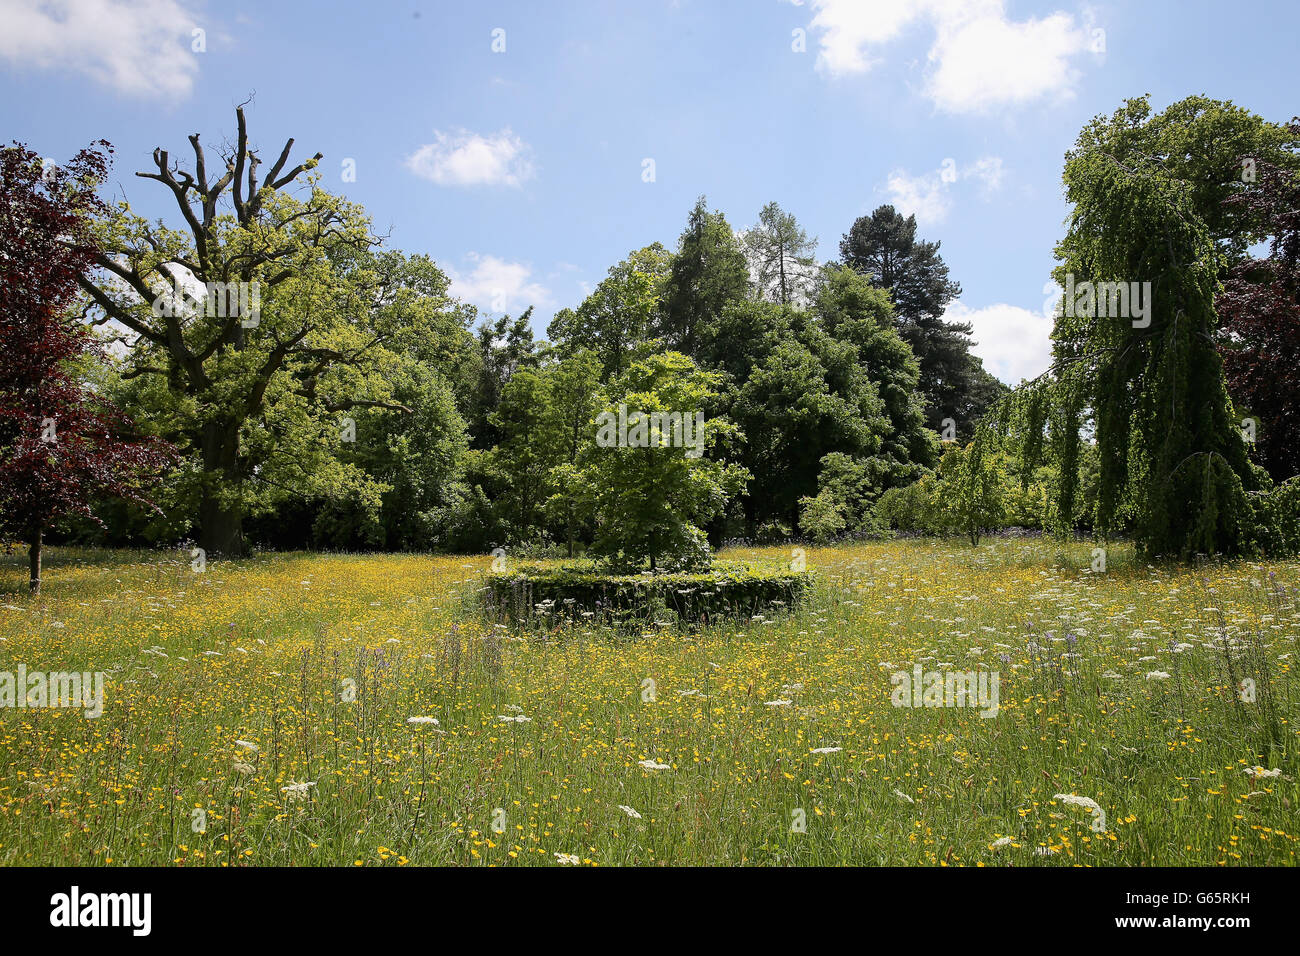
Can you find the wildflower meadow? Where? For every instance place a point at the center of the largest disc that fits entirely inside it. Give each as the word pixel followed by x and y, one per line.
pixel 352 710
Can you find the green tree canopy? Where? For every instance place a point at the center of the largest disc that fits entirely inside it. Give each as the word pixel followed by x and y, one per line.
pixel 617 320
pixel 1212 147
pixel 258 327
pixel 1146 379
pixel 708 272
pixel 649 495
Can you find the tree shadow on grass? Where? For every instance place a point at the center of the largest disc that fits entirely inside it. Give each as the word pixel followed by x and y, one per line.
pixel 55 561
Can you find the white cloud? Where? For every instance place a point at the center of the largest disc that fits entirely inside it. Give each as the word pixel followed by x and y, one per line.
pixel 1014 343
pixel 138 47
pixel 928 195
pixel 980 58
pixel 849 27
pixel 463 158
pixel 988 171
pixel 498 285
pixel 924 196
pixel 990 61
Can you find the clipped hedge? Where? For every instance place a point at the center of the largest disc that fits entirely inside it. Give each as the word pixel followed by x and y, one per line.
pixel 585 592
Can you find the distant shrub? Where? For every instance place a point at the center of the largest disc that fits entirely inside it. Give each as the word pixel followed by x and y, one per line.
pixel 821 518
pixel 588 591
pixel 1277 519
pixel 538 548
pixel 772 532
pixel 960 498
pixel 912 508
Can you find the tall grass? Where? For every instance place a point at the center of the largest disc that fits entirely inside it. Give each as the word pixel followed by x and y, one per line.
pixel 546 741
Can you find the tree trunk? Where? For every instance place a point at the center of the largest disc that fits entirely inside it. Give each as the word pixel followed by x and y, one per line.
pixel 221 526
pixel 34 560
pixel 785 296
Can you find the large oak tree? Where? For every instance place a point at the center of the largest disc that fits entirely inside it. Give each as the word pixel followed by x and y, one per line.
pixel 289 318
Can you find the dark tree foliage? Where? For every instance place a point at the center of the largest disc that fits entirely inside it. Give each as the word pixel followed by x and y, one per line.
pixel 850 310
pixel 503 347
pixel 884 248
pixel 1259 308
pixel 708 273
pixel 62 446
pixel 798 393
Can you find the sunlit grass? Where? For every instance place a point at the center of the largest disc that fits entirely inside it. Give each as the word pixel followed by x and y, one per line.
pixel 271 651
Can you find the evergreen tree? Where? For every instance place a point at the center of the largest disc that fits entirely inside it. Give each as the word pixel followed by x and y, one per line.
pixel 708 272
pixel 884 248
pixel 780 256
pixel 851 310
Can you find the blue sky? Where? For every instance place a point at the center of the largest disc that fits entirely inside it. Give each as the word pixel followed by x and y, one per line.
pixel 523 171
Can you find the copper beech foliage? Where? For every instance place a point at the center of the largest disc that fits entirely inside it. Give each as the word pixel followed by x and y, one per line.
pixel 62 445
pixel 1259 311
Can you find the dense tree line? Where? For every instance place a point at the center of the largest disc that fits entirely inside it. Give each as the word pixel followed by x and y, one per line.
pixel 321 390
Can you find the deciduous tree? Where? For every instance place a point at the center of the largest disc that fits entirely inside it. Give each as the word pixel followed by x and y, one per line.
pixel 259 324
pixel 62 445
pixel 1259 308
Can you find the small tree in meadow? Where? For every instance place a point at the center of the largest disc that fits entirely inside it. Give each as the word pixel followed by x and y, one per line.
pixel 647 485
pixel 61 445
pixel 821 517
pixel 971 487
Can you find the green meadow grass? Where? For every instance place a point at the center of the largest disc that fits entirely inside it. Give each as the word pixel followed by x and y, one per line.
pixel 258 714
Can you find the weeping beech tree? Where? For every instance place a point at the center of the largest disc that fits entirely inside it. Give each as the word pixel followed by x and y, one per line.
pixel 1136 368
